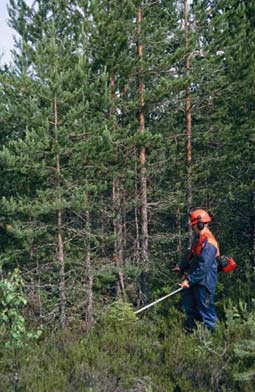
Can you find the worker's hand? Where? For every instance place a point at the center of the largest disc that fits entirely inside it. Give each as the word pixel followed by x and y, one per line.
pixel 176 268
pixel 185 284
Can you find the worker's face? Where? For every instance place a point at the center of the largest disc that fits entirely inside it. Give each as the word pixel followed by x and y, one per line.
pixel 195 229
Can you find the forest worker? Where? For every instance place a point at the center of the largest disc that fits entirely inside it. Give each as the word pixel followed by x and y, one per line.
pixel 200 273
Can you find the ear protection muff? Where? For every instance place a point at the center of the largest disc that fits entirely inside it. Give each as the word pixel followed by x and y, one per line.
pixel 200 225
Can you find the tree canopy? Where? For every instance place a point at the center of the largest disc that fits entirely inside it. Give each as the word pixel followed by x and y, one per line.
pixel 117 119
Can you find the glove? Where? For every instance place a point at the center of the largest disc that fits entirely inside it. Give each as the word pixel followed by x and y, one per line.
pixel 185 284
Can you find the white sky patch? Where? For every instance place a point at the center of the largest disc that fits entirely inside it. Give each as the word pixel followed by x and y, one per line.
pixel 6 33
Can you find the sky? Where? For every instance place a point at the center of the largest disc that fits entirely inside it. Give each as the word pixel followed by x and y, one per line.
pixel 6 33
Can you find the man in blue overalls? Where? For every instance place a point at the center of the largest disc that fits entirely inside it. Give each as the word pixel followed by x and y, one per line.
pixel 200 274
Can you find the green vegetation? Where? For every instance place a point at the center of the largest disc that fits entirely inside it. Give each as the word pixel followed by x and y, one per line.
pixel 148 354
pixel 117 117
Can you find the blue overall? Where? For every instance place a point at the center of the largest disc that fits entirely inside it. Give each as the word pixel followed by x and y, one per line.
pixel 198 299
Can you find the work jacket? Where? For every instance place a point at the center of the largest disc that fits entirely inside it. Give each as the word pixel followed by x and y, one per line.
pixel 201 264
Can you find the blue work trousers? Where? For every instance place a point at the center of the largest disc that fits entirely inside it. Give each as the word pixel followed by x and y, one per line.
pixel 198 304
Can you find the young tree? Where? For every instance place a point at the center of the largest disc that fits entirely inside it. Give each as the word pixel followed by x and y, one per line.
pixel 50 156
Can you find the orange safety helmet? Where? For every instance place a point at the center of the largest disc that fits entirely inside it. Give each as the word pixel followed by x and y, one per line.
pixel 199 215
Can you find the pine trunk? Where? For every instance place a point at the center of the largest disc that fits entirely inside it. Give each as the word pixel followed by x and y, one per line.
pixel 117 221
pixel 61 257
pixel 178 210
pixel 142 154
pixel 118 232
pixel 252 225
pixel 39 295
pixel 90 279
pixel 188 117
pixel 137 245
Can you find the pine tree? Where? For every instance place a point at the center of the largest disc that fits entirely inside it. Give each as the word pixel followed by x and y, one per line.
pixel 89 107
pixel 225 29
pixel 51 158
